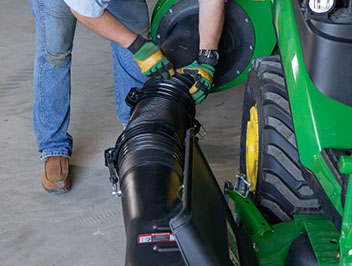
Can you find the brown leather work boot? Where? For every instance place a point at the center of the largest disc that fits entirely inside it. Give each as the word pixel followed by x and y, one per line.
pixel 55 177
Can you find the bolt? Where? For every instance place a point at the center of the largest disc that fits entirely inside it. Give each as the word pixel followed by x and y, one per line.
pixel 238 72
pixel 158 36
pixel 256 249
pixel 251 47
pixel 170 10
pixel 246 20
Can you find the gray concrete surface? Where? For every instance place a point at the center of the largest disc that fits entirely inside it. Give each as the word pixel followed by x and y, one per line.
pixel 85 226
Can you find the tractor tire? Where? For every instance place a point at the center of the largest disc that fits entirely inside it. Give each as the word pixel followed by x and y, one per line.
pixel 281 189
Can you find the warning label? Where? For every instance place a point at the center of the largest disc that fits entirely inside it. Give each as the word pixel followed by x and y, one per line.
pixel 232 245
pixel 156 238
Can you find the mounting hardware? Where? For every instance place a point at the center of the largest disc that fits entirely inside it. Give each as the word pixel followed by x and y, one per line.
pixel 242 186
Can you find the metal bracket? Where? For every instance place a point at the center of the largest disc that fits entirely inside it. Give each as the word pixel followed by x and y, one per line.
pixel 199 129
pixel 242 186
pixel 133 96
pixel 228 186
pixel 110 159
pixel 180 192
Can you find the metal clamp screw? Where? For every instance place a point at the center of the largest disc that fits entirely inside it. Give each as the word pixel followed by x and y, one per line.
pixel 255 247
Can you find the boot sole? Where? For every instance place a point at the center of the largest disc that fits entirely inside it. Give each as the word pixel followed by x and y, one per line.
pixel 57 190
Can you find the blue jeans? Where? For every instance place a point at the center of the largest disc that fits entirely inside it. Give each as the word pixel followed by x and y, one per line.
pixel 55 28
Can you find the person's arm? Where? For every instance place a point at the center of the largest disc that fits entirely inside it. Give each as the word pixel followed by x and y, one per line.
pixel 108 26
pixel 147 54
pixel 211 21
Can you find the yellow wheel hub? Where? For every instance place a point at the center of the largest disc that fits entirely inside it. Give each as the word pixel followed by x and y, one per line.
pixel 252 147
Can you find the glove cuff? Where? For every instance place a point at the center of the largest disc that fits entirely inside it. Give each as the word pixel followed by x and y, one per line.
pixel 137 44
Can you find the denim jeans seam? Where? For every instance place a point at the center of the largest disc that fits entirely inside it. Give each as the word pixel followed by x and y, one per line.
pixel 42 53
pixel 117 91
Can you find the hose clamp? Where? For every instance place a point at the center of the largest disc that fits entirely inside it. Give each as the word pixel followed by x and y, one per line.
pixel 110 161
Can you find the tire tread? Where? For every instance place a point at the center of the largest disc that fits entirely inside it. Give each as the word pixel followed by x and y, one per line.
pixel 282 189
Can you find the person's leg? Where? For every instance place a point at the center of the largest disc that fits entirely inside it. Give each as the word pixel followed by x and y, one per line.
pixel 55 26
pixel 127 74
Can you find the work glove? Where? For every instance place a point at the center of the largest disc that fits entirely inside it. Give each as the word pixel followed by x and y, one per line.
pixel 150 59
pixel 203 78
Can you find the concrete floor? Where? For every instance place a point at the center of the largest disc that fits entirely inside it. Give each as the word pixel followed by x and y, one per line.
pixel 85 226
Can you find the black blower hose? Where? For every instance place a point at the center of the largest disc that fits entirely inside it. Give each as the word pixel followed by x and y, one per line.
pixel 149 163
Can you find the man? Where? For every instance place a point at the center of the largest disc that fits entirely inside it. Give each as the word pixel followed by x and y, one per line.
pixel 55 27
pixel 94 15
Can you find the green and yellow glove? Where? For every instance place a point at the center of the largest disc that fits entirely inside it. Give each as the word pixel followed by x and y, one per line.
pixel 203 77
pixel 150 59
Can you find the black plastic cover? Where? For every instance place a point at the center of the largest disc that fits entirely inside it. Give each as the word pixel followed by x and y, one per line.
pixel 178 36
pixel 327 52
pixel 205 229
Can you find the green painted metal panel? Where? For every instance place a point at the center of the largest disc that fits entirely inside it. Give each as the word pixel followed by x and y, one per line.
pixel 324 238
pixel 319 121
pixel 161 7
pixel 345 165
pixel 273 246
pixel 325 177
pixel 272 243
pixel 259 13
pixel 251 218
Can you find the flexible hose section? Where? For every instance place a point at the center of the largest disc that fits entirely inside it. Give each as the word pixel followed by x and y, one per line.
pixel 150 167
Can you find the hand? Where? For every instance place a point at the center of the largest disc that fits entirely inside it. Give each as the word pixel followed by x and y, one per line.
pixel 203 76
pixel 152 61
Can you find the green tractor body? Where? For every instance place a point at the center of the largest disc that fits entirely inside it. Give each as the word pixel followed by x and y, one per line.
pixel 318 116
pixel 297 205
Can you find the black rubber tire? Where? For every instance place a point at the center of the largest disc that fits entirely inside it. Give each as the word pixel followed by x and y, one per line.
pixel 282 189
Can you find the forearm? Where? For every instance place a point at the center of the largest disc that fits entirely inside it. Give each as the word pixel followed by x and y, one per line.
pixel 211 21
pixel 109 27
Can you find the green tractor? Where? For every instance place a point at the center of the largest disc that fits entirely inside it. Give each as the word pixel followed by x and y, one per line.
pixel 292 200
pixel 295 142
pixel 296 149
